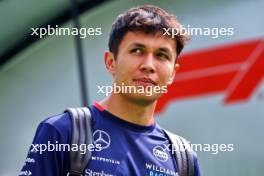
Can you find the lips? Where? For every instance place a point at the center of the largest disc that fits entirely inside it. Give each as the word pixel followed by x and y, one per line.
pixel 145 81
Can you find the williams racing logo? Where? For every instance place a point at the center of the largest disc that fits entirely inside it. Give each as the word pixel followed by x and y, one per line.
pixel 160 153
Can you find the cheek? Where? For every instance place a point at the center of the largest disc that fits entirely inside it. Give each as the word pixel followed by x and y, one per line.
pixel 124 70
pixel 165 72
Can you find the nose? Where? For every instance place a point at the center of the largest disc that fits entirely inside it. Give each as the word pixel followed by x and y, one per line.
pixel 147 64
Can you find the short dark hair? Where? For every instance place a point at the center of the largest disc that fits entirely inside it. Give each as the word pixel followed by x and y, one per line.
pixel 148 19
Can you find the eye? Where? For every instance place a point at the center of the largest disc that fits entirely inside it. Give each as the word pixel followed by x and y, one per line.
pixel 163 56
pixel 137 51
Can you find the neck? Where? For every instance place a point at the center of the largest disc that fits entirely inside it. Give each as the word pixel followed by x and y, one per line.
pixel 129 111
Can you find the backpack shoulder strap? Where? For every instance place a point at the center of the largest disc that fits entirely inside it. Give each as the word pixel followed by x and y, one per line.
pixel 81 134
pixel 183 154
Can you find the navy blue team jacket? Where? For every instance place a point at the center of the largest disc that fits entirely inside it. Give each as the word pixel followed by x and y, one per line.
pixel 120 148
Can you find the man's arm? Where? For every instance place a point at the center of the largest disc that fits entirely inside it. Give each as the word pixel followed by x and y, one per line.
pixel 42 158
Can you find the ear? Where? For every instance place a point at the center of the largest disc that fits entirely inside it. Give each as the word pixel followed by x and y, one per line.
pixel 109 62
pixel 176 68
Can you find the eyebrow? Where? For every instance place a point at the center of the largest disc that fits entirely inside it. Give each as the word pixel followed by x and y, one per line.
pixel 164 49
pixel 138 45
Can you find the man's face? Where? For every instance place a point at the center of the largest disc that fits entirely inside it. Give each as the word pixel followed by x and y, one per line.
pixel 143 60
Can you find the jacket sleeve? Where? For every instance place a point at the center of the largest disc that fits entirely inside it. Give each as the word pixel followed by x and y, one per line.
pixel 44 157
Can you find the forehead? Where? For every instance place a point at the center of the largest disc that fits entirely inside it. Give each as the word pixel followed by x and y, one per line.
pixel 151 41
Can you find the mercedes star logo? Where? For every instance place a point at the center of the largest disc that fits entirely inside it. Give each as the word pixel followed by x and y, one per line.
pixel 101 137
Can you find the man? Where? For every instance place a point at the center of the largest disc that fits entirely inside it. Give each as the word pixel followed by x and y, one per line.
pixel 142 58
